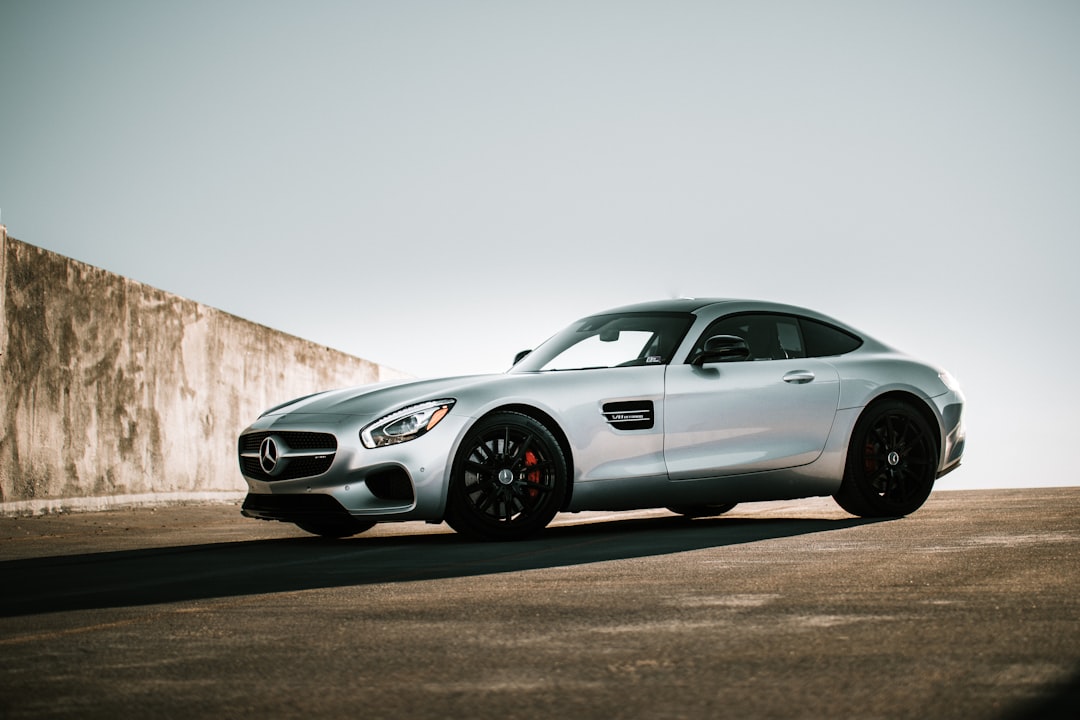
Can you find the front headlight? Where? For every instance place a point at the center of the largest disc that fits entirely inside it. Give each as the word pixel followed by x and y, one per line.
pixel 406 424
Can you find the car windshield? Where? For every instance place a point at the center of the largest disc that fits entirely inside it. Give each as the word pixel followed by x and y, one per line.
pixel 605 341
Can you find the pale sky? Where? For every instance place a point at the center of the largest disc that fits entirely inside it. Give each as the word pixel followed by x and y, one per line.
pixel 437 185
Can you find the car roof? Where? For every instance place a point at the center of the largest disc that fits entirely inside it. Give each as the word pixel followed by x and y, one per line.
pixel 683 304
pixel 693 305
pixel 717 306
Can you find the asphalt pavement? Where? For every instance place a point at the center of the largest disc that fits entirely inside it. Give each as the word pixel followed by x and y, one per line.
pixel 969 608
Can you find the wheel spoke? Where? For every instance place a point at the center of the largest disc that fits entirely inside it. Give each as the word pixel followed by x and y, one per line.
pixel 887 432
pixel 520 449
pixel 487 499
pixel 907 483
pixel 890 431
pixel 478 468
pixel 483 454
pixel 880 437
pixel 531 493
pixel 539 474
pixel 892 490
pixel 507 507
pixel 908 437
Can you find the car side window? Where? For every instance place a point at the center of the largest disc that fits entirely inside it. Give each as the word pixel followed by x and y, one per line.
pixel 825 340
pixel 779 337
pixel 770 337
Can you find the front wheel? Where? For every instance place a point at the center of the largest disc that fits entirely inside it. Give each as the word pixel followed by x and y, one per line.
pixel 508 479
pixel 891 462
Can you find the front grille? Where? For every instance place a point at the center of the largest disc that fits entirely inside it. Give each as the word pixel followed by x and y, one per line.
pixel 296 440
pixel 303 454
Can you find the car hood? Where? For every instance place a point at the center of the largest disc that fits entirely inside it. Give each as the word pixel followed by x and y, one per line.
pixel 381 398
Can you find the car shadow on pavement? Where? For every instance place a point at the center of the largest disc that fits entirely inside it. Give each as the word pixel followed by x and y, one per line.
pixel 230 569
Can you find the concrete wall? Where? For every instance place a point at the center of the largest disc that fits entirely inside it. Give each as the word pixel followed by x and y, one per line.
pixel 114 392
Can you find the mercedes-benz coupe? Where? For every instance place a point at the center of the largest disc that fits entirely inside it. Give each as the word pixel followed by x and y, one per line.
pixel 692 405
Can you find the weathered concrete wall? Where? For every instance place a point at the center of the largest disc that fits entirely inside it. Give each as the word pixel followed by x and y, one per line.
pixel 114 392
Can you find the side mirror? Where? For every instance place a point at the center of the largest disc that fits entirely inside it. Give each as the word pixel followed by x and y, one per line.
pixel 722 348
pixel 521 356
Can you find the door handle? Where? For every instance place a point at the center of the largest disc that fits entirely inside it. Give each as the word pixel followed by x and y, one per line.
pixel 799 377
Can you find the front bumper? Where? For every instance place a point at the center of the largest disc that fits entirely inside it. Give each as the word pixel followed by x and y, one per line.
pixel 316 508
pixel 954 431
pixel 330 480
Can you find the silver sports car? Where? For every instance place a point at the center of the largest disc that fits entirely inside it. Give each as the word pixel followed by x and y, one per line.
pixel 690 405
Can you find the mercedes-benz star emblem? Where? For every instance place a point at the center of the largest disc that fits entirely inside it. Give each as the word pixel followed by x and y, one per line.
pixel 268 455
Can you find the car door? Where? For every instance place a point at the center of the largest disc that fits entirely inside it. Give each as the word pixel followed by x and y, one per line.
pixel 608 386
pixel 767 412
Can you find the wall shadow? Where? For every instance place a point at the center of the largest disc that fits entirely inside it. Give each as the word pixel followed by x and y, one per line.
pixel 218 570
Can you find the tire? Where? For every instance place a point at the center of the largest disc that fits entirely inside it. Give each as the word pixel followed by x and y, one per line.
pixel 700 511
pixel 891 463
pixel 335 528
pixel 508 479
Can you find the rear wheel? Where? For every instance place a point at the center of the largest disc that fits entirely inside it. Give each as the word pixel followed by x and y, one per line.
pixel 508 480
pixel 700 511
pixel 891 462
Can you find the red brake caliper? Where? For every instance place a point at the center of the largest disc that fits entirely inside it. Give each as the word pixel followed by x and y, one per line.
pixel 533 476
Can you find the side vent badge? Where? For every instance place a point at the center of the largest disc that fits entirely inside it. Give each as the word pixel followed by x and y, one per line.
pixel 629 415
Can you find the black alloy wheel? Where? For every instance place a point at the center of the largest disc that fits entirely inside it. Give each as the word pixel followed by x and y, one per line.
pixel 891 464
pixel 508 481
